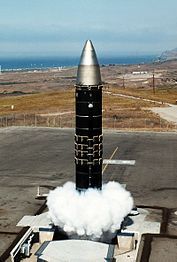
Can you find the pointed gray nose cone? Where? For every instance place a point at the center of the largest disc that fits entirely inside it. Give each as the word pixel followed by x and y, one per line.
pixel 88 72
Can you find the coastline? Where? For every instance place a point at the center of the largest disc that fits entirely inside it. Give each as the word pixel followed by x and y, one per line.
pixel 58 63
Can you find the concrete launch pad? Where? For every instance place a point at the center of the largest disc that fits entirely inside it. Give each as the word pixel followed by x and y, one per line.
pixel 74 250
pixel 128 240
pixel 44 156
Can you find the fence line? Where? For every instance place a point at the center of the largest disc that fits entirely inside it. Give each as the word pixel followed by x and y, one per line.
pixel 68 120
pixel 36 120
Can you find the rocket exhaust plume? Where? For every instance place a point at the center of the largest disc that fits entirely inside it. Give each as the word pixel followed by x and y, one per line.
pixel 83 208
pixel 88 135
pixel 91 212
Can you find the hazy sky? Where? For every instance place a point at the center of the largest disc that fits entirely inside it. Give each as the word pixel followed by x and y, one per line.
pixel 60 27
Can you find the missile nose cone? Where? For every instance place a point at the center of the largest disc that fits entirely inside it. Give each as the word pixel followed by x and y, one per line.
pixel 88 56
pixel 88 72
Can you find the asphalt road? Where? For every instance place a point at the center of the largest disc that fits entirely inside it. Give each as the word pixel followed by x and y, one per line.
pixel 45 156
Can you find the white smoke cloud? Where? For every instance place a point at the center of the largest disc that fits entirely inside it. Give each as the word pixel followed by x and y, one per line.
pixel 91 212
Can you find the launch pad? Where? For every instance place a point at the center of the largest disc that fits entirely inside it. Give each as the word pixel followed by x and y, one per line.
pixel 67 207
pixel 49 243
pixel 41 149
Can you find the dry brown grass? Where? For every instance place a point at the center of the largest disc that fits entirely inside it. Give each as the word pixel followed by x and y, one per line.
pixel 118 112
pixel 37 103
pixel 162 94
pixel 131 114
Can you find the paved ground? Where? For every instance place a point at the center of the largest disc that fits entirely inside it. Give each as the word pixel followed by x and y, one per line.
pixel 44 156
pixel 159 250
pixel 168 113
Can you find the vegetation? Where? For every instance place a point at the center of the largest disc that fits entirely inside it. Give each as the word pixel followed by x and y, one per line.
pixel 118 112
pixel 38 103
pixel 162 94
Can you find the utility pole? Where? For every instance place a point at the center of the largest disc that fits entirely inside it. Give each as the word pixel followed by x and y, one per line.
pixel 153 82
pixel 123 82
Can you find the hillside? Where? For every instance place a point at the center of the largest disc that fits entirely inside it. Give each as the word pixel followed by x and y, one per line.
pixel 169 55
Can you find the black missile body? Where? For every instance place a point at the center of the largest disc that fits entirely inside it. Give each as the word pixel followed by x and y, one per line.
pixel 88 134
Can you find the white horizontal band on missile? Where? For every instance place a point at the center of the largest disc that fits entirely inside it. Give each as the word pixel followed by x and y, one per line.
pixel 87 128
pixel 94 137
pixel 81 151
pixel 81 87
pixel 84 161
pixel 88 116
pixel 119 162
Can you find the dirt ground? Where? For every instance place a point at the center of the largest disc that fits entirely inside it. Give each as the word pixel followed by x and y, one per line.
pixel 43 98
pixel 139 76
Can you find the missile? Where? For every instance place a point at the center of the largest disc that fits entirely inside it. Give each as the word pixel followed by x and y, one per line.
pixel 88 132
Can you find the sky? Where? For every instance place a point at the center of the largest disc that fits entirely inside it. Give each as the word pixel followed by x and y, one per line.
pixel 60 27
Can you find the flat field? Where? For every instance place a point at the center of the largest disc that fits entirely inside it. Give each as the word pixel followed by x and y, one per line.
pixel 46 98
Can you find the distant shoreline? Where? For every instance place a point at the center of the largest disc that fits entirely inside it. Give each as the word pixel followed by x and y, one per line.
pixel 42 63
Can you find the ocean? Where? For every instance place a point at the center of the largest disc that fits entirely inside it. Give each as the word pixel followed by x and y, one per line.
pixel 8 64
